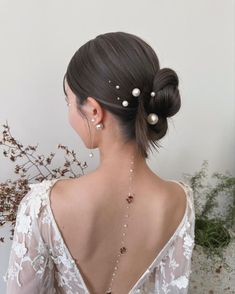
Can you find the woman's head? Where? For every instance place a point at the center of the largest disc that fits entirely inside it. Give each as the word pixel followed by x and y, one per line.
pixel 122 59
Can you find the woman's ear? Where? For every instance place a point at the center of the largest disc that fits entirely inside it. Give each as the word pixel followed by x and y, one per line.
pixel 93 109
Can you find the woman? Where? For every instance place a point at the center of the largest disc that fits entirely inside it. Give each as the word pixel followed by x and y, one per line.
pixel 121 228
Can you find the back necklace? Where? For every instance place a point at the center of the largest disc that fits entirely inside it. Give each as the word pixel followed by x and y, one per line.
pixel 129 198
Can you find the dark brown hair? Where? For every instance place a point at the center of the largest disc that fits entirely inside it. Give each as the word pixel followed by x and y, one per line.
pixel 128 61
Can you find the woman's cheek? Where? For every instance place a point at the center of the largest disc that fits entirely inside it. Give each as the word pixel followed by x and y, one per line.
pixel 77 123
pixel 72 119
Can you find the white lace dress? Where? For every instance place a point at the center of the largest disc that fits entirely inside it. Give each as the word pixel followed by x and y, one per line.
pixel 40 262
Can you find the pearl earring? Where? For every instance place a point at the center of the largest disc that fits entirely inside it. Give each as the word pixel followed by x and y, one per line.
pixel 99 126
pixel 90 153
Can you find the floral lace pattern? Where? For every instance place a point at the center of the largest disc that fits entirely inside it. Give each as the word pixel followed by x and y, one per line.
pixel 40 262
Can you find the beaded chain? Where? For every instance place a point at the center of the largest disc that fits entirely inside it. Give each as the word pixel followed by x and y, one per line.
pixel 123 249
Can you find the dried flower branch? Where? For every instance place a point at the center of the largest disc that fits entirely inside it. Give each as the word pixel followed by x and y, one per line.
pixel 32 168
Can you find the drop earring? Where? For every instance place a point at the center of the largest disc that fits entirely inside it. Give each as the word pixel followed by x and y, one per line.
pixel 98 127
pixel 91 153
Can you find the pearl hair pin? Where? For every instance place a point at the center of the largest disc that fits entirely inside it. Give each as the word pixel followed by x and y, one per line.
pixel 152 118
pixel 136 92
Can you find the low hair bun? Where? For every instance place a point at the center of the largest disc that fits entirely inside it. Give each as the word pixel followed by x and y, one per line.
pixel 167 101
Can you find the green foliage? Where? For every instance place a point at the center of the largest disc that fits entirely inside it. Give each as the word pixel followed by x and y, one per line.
pixel 213 233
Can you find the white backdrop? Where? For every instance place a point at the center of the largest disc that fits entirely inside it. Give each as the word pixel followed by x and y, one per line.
pixel 195 38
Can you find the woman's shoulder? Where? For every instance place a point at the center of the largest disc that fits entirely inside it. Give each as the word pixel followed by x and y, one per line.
pixel 186 187
pixel 43 188
pixel 186 196
pixel 188 225
pixel 188 191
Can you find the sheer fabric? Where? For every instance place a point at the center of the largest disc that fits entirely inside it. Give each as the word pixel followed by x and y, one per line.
pixel 40 262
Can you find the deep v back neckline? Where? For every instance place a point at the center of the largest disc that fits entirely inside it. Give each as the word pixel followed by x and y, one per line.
pixel 151 266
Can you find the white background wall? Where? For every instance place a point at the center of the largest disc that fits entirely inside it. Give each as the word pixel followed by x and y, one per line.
pixel 195 38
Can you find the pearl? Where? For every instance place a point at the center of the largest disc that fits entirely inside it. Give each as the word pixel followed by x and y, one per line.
pixel 152 118
pixel 117 87
pixel 136 92
pixel 99 126
pixel 125 103
pixel 118 98
pixel 153 94
pixel 91 154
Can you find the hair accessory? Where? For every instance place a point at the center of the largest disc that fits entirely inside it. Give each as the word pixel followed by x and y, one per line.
pixel 136 92
pixel 125 103
pixel 152 118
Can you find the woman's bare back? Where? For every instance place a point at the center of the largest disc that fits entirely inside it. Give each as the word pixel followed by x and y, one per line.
pixel 89 212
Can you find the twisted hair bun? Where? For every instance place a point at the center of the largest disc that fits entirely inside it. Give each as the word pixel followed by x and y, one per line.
pixel 165 103
pixel 167 100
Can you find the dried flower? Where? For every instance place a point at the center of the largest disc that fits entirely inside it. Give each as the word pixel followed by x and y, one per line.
pixel 32 168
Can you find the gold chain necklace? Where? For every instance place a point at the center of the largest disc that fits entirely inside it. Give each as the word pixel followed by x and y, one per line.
pixel 123 249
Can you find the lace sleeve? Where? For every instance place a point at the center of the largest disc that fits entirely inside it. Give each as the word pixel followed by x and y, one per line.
pixel 174 270
pixel 30 266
